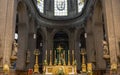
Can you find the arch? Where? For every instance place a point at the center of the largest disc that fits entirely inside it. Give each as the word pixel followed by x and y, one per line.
pixel 57 30
pixel 61 39
pixel 22 28
pixel 22 12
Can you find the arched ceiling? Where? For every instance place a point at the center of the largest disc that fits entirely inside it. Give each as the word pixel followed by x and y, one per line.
pixel 44 20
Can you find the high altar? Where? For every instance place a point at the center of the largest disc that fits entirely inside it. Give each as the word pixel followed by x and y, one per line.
pixel 60 66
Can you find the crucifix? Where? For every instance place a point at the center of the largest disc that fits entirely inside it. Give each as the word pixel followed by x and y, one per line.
pixel 59 49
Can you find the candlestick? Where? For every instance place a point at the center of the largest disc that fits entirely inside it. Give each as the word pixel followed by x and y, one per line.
pixel 50 57
pixel 73 57
pixel 36 66
pixel 55 60
pixel 46 56
pixel 83 60
pixel 68 57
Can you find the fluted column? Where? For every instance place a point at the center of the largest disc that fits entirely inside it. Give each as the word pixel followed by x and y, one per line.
pixel 7 28
pixel 111 15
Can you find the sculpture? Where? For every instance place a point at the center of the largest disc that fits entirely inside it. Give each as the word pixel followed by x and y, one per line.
pixel 106 55
pixel 105 48
pixel 15 49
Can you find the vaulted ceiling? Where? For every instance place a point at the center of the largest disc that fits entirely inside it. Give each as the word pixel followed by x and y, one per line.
pixel 47 17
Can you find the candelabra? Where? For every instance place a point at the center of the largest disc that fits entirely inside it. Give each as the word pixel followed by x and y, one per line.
pixel 50 57
pixel 68 57
pixel 83 52
pixel 73 57
pixel 36 66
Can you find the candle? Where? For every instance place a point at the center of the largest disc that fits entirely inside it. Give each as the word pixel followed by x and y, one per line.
pixel 72 51
pixel 46 54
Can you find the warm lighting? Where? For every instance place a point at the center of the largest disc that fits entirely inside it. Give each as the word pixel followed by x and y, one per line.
pixel 36 66
pixel 114 67
pixel 89 68
pixel 6 69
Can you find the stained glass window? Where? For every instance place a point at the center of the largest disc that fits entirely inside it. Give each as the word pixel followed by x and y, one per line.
pixel 40 4
pixel 80 5
pixel 60 8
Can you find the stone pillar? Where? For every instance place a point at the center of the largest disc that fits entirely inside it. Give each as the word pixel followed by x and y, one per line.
pixel 112 23
pixel 90 45
pixel 98 36
pixel 31 47
pixel 32 42
pixel 23 45
pixel 77 48
pixel 44 31
pixel 97 27
pixel 49 44
pixel 112 16
pixel 7 28
pixel 71 44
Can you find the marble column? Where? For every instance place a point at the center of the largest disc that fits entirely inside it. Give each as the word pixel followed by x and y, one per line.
pixel 7 28
pixel 112 25
pixel 111 22
pixel 23 46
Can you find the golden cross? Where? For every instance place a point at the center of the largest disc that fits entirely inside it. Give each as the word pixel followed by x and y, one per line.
pixel 59 48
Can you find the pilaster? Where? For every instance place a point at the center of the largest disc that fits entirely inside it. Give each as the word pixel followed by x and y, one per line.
pixel 7 28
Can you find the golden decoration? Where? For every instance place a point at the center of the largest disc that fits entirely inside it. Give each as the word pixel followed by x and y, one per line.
pixel 36 66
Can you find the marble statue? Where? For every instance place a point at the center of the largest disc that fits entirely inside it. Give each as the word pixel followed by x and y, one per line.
pixel 15 49
pixel 105 48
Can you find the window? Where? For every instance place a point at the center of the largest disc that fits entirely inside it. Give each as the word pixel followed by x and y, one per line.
pixel 40 4
pixel 80 5
pixel 60 8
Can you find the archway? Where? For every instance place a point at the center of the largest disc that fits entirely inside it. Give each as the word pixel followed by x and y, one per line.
pixel 39 45
pixel 61 39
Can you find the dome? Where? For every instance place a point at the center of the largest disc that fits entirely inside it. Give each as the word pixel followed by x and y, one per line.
pixel 60 9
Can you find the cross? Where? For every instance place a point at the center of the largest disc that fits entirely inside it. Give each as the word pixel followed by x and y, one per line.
pixel 59 48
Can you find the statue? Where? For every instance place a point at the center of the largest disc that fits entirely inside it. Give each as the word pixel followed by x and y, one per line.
pixel 106 55
pixel 14 51
pixel 105 48
pixel 15 48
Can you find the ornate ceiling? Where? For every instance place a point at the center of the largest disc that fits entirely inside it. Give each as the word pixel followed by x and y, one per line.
pixel 48 18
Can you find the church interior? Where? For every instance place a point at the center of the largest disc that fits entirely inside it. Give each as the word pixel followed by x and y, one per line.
pixel 59 37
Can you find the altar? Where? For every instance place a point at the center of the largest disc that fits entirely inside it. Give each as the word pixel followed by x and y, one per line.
pixel 56 70
pixel 60 66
